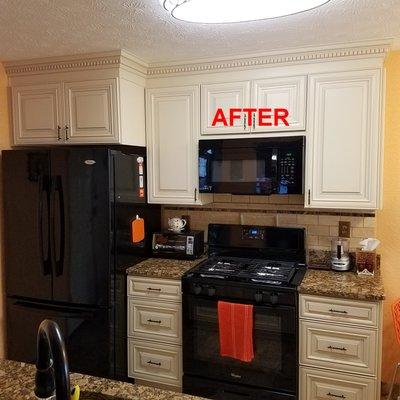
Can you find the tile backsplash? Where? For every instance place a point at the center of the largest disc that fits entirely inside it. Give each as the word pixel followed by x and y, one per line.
pixel 286 211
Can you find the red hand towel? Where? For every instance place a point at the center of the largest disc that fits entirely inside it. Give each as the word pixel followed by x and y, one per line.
pixel 236 330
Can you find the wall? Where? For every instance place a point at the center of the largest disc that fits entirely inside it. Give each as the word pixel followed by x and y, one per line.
pixel 4 144
pixel 285 211
pixel 388 219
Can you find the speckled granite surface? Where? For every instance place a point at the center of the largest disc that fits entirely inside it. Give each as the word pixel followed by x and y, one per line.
pixel 163 268
pixel 17 382
pixel 346 285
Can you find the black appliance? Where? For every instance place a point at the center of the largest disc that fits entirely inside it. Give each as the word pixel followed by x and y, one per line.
pixel 249 265
pixel 67 214
pixel 183 245
pixel 252 166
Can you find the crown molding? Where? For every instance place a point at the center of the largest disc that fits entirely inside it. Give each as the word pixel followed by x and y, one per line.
pixel 128 61
pixel 367 49
pixel 113 59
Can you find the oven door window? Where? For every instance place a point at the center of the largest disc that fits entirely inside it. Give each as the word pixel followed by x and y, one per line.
pixel 274 338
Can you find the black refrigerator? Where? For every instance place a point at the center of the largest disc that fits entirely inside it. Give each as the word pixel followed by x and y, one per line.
pixel 67 242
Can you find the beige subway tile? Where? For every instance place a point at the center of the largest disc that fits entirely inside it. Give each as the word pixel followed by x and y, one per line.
pixel 355 242
pixel 328 219
pixel 369 222
pixel 240 199
pixel 312 240
pixel 279 199
pixel 333 231
pixel 307 219
pixel 363 232
pixel 222 198
pixel 259 199
pixel 258 219
pixel 325 241
pixel 285 219
pixel 296 199
pixel 318 230
pixel 356 222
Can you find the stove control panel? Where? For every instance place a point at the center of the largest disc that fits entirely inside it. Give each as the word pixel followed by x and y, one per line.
pixel 253 232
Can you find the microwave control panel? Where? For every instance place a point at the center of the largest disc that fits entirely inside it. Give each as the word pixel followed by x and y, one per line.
pixel 287 168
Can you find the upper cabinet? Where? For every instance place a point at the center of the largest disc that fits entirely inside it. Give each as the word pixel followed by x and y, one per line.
pixel 344 141
pixel 287 93
pixel 172 122
pixel 86 101
pixel 37 112
pixel 225 96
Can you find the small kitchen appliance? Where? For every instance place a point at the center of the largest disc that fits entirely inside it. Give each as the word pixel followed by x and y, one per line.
pixel 340 258
pixel 183 245
pixel 257 265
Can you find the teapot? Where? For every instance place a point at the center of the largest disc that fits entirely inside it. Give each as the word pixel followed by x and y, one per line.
pixel 176 224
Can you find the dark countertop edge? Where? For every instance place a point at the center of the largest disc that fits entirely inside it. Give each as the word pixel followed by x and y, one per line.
pixel 349 296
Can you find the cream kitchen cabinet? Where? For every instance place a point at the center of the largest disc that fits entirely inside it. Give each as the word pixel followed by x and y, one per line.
pixel 155 331
pixel 344 140
pixel 37 113
pixel 172 123
pixel 340 348
pixel 79 112
pixel 285 92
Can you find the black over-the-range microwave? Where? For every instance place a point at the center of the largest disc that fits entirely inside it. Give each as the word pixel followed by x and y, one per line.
pixel 259 166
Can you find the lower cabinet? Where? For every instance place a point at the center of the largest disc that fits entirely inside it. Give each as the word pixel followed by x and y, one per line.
pixel 155 331
pixel 340 349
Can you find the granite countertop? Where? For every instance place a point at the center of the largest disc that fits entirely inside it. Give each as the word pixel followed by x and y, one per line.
pixel 17 383
pixel 163 268
pixel 347 285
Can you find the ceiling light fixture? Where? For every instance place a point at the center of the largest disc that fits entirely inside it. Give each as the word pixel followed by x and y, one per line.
pixel 228 11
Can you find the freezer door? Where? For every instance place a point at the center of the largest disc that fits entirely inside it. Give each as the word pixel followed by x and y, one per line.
pixel 80 225
pixel 87 333
pixel 26 223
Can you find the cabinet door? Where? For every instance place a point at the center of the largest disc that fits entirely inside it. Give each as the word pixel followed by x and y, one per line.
pixel 91 111
pixel 288 93
pixel 172 127
pixel 343 152
pixel 225 96
pixel 37 114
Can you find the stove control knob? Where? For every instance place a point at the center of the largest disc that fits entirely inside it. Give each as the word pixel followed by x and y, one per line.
pixel 258 297
pixel 211 291
pixel 274 298
pixel 197 289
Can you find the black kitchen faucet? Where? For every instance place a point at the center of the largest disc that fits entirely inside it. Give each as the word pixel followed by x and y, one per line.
pixel 52 370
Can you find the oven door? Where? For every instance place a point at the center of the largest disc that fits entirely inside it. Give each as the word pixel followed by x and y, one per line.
pixel 275 346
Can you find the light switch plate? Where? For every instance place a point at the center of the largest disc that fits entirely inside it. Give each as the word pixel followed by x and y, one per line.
pixel 344 229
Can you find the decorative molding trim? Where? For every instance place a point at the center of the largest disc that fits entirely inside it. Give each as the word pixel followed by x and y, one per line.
pixel 128 61
pixel 302 56
pixel 113 59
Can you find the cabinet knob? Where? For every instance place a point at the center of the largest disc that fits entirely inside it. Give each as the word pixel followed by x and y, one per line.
pixel 58 132
pixel 66 132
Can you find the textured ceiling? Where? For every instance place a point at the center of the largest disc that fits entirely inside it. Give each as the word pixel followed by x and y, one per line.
pixel 44 28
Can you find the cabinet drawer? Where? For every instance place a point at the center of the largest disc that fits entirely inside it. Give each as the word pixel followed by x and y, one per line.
pixel 325 385
pixel 339 310
pixel 338 347
pixel 155 362
pixel 154 320
pixel 155 288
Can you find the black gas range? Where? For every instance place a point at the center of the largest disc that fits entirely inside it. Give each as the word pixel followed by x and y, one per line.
pixel 262 266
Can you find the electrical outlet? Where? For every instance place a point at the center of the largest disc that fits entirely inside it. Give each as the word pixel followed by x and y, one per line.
pixel 344 229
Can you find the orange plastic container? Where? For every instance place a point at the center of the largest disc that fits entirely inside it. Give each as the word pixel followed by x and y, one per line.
pixel 137 230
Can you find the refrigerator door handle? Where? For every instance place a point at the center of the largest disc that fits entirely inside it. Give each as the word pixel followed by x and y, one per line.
pixel 43 227
pixel 58 220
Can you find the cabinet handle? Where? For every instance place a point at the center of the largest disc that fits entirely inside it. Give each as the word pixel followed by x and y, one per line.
pixel 195 194
pixel 154 321
pixel 66 132
pixel 154 290
pixel 154 363
pixel 336 395
pixel 245 121
pixel 58 132
pixel 338 311
pixel 309 196
pixel 337 348
pixel 254 121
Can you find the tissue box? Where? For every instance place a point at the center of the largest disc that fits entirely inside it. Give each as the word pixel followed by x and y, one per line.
pixel 366 262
